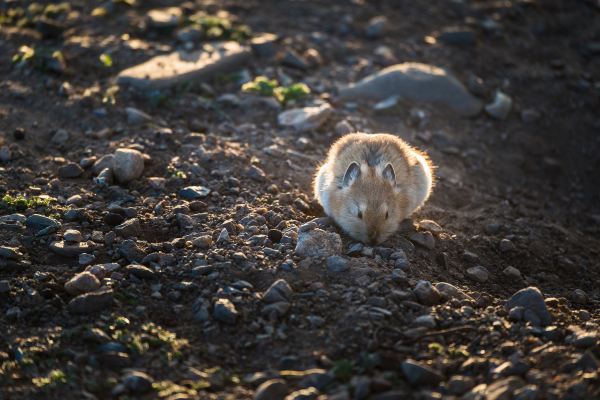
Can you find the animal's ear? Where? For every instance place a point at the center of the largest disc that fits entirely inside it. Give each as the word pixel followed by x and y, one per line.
pixel 389 174
pixel 351 175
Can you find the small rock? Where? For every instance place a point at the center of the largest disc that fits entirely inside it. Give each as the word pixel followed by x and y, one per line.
pixel 376 27
pixel 457 37
pixel 194 192
pixel 307 118
pixel 500 107
pixel 337 264
pixel 83 282
pixel 343 128
pixel 72 235
pixel 71 249
pixel 424 239
pixel 140 271
pixel 512 273
pixel 39 222
pixel 92 302
pixel 529 116
pixel 431 226
pixel 532 301
pixel 223 236
pixel 129 228
pixel 131 251
pixel 11 253
pixel 318 243
pixel 135 116
pixel 224 311
pixel 257 174
pixel 418 374
pixel 506 245
pixel 449 291
pixel 128 165
pixel 138 382
pixel 60 137
pixel 102 163
pixel 293 60
pixel 427 294
pixel 4 286
pixel 264 44
pixel 478 273
pixel 70 171
pixel 274 389
pixel 579 297
pixel 304 394
pixel 280 290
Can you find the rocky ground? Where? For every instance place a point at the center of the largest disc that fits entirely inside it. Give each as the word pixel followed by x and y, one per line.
pixel 158 233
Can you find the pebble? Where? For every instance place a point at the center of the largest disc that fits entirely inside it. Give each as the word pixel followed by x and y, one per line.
pixel 579 297
pixel 128 165
pixel 60 137
pixel 500 106
pixel 88 303
pixel 71 249
pixel 279 290
pixel 512 273
pixel 257 174
pixel 129 228
pixel 305 119
pixel 72 235
pixel 274 389
pixel 140 271
pixel 4 286
pixel 194 192
pixel 303 394
pixel 426 293
pixel 337 264
pixel 478 273
pixel 70 171
pixel 83 282
pixel 431 226
pixel 506 245
pixel 343 128
pixel 418 374
pixel 138 382
pixel 457 36
pixel 11 253
pixel 418 83
pixel 264 45
pixel 424 239
pixel 135 116
pixel 293 60
pixel 534 307
pixel 223 236
pixel 225 311
pixel 458 385
pixel 449 291
pixel 102 163
pixel 5 154
pixel 318 243
pixel 376 27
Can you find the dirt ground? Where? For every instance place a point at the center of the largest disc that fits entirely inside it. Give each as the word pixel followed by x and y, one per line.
pixel 523 191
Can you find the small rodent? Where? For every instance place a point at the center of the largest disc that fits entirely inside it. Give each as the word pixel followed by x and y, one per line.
pixel 371 182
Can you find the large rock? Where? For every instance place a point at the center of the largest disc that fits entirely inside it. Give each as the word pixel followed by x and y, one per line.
pixel 183 67
pixel 307 118
pixel 128 165
pixel 415 82
pixel 318 243
pixel 534 307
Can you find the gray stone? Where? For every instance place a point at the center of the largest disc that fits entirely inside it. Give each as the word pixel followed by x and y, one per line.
pixel 257 174
pixel 11 253
pixel 303 394
pixel 39 222
pixel 429 225
pixel 579 297
pixel 376 27
pixel 182 67
pixel 70 171
pixel 449 291
pixel 102 163
pixel 129 228
pixel 478 273
pixel 532 301
pixel 305 119
pixel 500 106
pixel 274 389
pixel 164 18
pixel 140 271
pixel 223 236
pixel 264 45
pixel 4 286
pixel 457 36
pixel 506 245
pixel 418 374
pixel 336 264
pixel 224 311
pixel 318 243
pixel 316 377
pixel 5 154
pixel 131 251
pixel 512 273
pixel 427 294
pixel 457 384
pixel 194 192
pixel 128 165
pixel 72 235
pixel 83 282
pixel 279 290
pixel 138 382
pixel 71 249
pixel 135 116
pixel 60 137
pixel 92 302
pixel 424 239
pixel 277 309
pixel 415 82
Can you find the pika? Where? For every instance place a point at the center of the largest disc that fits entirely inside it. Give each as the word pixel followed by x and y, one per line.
pixel 371 182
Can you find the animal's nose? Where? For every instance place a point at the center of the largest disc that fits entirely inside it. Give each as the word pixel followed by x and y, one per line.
pixel 373 237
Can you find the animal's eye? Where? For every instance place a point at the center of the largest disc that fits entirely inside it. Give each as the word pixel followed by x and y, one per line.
pixel 359 215
pixel 387 214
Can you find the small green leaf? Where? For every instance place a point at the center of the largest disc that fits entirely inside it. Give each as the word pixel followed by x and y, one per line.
pixel 106 59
